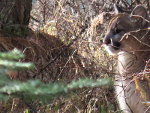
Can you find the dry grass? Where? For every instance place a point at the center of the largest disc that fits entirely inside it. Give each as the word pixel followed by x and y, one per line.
pixel 55 61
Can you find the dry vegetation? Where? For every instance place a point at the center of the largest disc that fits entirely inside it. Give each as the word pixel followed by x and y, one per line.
pixel 75 51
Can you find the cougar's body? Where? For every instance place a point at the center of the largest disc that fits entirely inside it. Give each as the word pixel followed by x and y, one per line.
pixel 128 37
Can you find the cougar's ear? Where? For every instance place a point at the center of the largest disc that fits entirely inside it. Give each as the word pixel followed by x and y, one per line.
pixel 117 9
pixel 140 11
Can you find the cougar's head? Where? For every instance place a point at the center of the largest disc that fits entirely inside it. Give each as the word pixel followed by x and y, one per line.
pixel 121 25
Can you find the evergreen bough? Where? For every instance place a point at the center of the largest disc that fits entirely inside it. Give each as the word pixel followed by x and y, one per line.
pixel 35 89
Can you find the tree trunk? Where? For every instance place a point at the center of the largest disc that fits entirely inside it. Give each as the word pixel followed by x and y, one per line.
pixel 15 11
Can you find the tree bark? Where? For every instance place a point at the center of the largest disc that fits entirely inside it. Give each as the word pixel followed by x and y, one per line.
pixel 15 11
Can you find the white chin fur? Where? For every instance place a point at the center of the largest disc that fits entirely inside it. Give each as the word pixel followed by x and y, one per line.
pixel 111 50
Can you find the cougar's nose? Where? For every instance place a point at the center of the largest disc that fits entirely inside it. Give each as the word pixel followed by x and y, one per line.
pixel 107 40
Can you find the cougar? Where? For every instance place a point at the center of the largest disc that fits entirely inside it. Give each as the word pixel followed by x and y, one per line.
pixel 128 37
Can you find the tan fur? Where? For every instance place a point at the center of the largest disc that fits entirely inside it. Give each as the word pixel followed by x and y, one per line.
pixel 132 84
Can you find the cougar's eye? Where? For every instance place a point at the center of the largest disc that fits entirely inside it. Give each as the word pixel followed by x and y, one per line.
pixel 117 31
